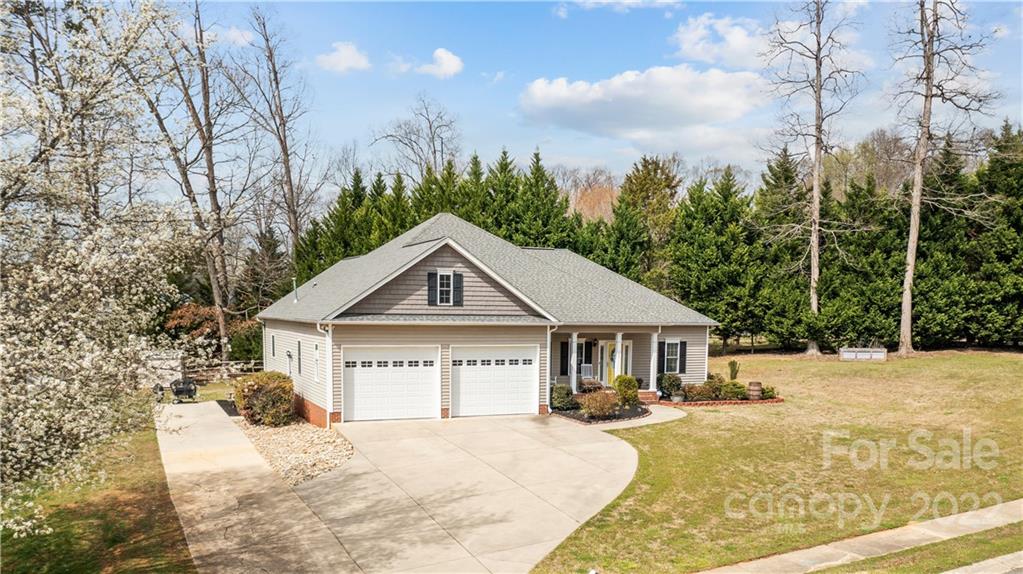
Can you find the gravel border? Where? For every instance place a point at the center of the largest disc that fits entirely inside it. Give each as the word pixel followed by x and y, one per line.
pixel 299 451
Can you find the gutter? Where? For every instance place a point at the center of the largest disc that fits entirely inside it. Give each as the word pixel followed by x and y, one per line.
pixel 547 375
pixel 328 334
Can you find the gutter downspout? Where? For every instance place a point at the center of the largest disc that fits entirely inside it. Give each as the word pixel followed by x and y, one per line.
pixel 328 336
pixel 653 380
pixel 547 375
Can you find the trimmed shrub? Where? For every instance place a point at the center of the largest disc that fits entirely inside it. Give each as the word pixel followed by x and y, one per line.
pixel 670 384
pixel 698 393
pixel 714 384
pixel 628 390
pixel 599 405
pixel 769 392
pixel 265 398
pixel 562 399
pixel 733 391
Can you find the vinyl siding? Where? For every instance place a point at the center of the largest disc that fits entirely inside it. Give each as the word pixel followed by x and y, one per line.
pixel 696 348
pixel 312 383
pixel 406 293
pixel 443 336
pixel 696 351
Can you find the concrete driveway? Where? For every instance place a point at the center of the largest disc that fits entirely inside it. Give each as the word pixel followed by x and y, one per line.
pixel 492 494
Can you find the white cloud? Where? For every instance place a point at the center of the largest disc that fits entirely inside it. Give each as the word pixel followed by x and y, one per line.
pixel 733 42
pixel 494 78
pixel 1000 31
pixel 237 36
pixel 561 11
pixel 627 5
pixel 657 108
pixel 344 58
pixel 445 64
pixel 399 65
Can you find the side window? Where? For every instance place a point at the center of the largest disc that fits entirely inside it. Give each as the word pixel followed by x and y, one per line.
pixel 671 356
pixel 444 288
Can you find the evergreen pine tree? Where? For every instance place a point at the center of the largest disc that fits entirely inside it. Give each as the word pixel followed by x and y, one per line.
pixel 539 213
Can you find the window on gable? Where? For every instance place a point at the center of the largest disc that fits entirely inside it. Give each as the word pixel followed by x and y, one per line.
pixel 671 357
pixel 444 288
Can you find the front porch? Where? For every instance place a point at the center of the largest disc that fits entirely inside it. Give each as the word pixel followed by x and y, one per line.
pixel 600 355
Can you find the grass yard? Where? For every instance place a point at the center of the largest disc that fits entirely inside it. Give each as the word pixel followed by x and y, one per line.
pixel 723 485
pixel 943 556
pixel 126 523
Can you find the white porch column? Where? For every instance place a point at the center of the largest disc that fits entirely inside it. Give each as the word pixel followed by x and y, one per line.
pixel 618 354
pixel 572 360
pixel 653 361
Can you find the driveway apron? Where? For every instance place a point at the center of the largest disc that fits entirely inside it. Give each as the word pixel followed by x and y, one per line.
pixel 484 494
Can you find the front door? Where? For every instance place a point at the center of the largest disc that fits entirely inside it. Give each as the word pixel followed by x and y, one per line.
pixel 607 360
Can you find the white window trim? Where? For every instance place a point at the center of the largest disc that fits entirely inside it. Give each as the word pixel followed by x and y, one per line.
pixel 580 349
pixel 450 273
pixel 678 355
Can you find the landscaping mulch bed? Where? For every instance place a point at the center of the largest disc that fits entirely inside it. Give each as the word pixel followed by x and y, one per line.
pixel 721 403
pixel 624 414
pixel 299 451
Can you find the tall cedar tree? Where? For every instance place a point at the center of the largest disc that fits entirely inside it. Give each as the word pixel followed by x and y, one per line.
pixel 717 257
pixel 651 188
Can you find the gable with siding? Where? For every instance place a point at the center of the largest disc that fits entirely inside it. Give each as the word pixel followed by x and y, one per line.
pixel 407 294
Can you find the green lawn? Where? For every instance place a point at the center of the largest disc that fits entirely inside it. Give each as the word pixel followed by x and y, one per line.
pixel 943 556
pixel 673 517
pixel 126 523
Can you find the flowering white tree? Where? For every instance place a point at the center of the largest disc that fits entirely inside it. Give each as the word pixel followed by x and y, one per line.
pixel 83 264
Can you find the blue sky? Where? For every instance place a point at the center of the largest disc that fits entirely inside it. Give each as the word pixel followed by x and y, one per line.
pixel 588 84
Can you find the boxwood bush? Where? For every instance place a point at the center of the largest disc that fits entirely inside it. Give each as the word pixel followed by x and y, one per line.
pixel 628 390
pixel 670 384
pixel 733 391
pixel 265 398
pixel 562 399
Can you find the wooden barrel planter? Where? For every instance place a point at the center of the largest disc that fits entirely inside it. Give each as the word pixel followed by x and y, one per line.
pixel 755 390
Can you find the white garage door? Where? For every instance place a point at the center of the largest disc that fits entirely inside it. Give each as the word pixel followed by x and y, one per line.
pixel 494 380
pixel 391 383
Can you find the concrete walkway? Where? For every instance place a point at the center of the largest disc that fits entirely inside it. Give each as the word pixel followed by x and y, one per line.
pixel 883 542
pixel 237 514
pixel 1010 563
pixel 484 494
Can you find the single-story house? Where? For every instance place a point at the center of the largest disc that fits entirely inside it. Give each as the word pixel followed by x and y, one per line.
pixel 449 320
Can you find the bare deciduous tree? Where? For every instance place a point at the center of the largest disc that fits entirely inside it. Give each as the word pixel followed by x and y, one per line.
pixel 427 139
pixel 811 71
pixel 937 50
pixel 274 98
pixel 201 121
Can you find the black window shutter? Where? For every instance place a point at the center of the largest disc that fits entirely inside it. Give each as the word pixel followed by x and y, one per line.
pixel 431 288
pixel 588 353
pixel 564 359
pixel 660 357
pixel 682 357
pixel 456 289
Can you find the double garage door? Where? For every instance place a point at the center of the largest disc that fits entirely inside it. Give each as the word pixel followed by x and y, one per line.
pixel 404 382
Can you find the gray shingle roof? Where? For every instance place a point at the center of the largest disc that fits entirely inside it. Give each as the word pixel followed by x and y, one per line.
pixel 567 286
